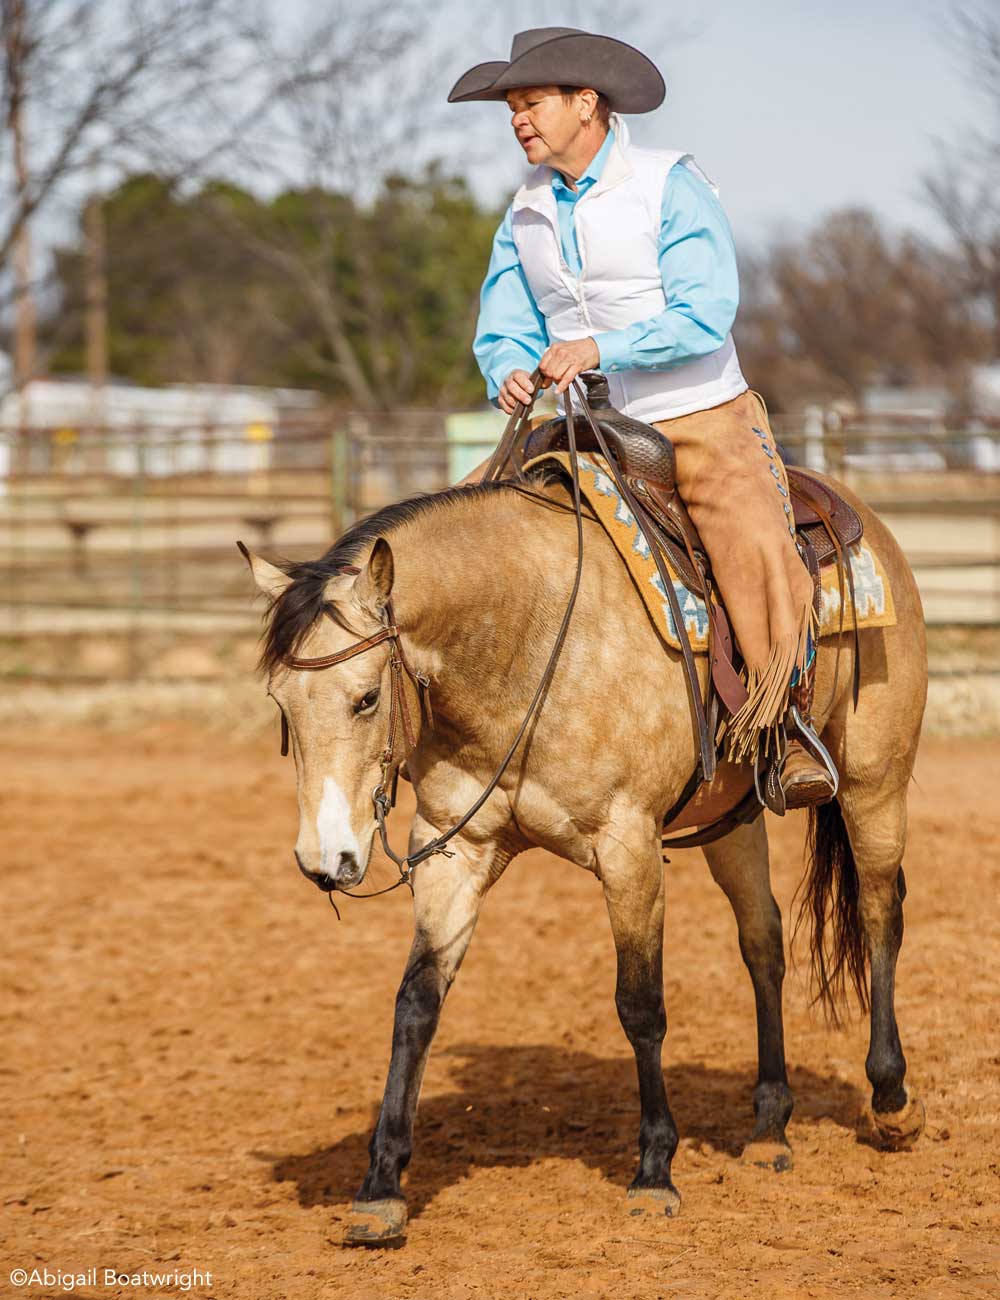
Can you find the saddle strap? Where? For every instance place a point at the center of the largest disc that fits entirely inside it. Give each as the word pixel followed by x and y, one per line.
pixel 680 535
pixel 728 682
pixel 670 514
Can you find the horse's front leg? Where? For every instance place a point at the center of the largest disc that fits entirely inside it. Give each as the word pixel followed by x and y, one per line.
pixel 631 871
pixel 447 892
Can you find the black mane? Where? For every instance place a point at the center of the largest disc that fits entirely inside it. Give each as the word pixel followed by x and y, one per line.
pixel 304 601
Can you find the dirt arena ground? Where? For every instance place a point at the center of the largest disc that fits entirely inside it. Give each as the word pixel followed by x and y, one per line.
pixel 195 1050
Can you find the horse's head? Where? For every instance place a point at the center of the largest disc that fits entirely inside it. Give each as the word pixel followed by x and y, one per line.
pixel 337 717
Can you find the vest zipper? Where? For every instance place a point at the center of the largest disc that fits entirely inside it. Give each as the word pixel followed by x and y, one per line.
pixel 571 282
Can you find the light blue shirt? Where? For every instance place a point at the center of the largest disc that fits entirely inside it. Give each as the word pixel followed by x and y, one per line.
pixel 697 261
pixel 566 202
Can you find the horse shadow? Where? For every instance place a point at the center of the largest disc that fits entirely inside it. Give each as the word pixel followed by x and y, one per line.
pixel 513 1106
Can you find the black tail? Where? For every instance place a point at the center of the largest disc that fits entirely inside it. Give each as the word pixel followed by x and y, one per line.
pixel 838 956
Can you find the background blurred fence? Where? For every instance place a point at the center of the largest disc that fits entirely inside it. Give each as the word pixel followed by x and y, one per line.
pixel 117 548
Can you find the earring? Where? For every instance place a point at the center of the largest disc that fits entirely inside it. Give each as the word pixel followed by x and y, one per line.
pixel 586 121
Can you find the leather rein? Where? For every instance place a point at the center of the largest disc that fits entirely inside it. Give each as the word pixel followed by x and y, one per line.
pixel 384 793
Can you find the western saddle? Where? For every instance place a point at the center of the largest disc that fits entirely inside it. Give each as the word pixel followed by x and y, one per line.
pixel 720 795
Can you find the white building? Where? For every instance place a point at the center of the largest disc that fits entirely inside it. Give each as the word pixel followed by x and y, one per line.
pixel 179 429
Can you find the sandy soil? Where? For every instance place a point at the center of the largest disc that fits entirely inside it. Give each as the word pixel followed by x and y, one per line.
pixel 195 1050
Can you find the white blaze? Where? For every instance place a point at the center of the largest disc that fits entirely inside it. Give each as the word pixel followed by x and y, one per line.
pixel 333 827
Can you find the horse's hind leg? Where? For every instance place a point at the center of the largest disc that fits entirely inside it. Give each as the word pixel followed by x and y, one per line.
pixel 739 865
pixel 447 897
pixel 855 885
pixel 632 875
pixel 874 818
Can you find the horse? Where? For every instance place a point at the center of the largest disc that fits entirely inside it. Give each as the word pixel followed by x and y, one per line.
pixel 474 582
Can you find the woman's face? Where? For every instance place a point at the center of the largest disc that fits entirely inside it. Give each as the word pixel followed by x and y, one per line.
pixel 545 124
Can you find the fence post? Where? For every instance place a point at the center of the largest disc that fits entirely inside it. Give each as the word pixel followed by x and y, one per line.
pixel 136 567
pixel 338 480
pixel 17 493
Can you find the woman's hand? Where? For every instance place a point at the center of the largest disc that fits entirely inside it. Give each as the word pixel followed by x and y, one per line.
pixel 562 362
pixel 560 365
pixel 515 388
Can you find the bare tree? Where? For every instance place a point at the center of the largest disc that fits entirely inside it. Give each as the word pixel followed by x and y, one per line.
pixel 848 304
pixel 97 89
pixel 348 107
pixel 839 298
pixel 965 189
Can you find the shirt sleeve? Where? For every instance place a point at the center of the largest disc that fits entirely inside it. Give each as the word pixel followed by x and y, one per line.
pixel 510 332
pixel 700 282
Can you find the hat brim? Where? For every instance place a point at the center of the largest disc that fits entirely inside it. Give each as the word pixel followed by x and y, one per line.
pixel 631 81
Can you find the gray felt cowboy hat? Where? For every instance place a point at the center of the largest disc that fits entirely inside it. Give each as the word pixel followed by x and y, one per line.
pixel 564 56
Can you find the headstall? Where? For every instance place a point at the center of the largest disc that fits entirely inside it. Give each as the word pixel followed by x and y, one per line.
pixel 384 794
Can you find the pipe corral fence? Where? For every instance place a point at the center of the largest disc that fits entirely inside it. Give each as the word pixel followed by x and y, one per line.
pixel 117 548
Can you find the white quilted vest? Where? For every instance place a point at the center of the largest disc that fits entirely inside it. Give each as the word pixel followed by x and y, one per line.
pixel 617 233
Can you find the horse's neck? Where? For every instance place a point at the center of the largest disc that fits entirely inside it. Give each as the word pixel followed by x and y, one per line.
pixel 468 591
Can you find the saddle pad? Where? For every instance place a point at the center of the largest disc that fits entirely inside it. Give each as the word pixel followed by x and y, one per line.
pixel 871 584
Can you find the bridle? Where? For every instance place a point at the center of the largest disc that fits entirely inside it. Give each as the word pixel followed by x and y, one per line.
pixel 384 793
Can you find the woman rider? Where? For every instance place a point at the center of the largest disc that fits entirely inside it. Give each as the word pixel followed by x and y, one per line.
pixel 621 259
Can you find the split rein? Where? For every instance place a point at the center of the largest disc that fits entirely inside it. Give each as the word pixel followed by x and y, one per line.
pixel 384 793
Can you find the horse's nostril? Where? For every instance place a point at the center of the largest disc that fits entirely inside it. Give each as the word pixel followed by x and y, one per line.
pixel 320 879
pixel 346 872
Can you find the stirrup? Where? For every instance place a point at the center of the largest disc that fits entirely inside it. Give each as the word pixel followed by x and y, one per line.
pixel 808 774
pixel 807 737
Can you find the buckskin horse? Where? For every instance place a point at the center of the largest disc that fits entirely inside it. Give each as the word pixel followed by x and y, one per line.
pixel 422 634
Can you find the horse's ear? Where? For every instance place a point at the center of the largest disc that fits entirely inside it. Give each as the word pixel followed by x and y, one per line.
pixel 374 586
pixel 271 581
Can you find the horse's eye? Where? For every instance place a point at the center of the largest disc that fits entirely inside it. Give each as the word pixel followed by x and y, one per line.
pixel 368 701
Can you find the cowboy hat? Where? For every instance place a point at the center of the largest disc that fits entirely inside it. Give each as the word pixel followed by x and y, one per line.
pixel 564 56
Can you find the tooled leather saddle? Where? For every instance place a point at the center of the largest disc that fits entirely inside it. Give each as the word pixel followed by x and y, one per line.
pixel 641 459
pixel 646 457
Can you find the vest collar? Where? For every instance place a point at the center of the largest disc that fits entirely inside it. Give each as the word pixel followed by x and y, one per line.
pixel 536 192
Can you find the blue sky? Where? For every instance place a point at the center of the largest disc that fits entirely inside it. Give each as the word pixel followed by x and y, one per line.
pixel 794 107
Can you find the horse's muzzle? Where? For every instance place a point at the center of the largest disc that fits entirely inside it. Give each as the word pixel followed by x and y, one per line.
pixel 346 874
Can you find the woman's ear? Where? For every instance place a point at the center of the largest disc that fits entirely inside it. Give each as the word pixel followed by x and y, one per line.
pixel 373 587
